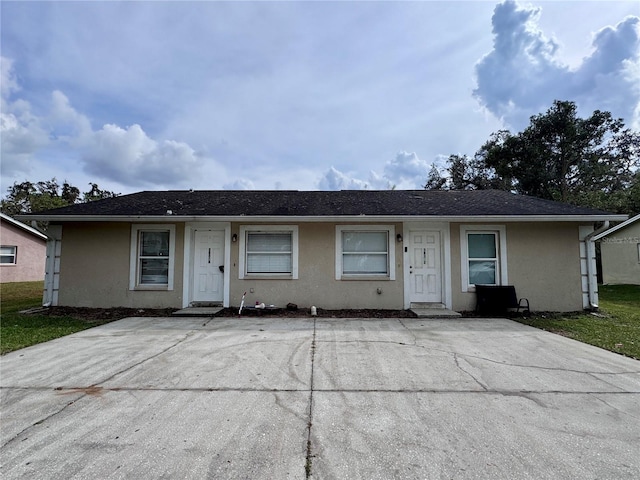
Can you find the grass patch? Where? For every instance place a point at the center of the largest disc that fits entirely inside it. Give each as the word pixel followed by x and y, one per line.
pixel 21 330
pixel 616 327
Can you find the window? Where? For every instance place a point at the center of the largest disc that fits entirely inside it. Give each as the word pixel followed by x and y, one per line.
pixel 483 256
pixel 152 257
pixel 270 250
pixel 8 255
pixel 365 251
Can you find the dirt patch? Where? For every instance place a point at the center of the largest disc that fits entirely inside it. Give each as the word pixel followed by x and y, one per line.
pixel 109 314
pixel 304 313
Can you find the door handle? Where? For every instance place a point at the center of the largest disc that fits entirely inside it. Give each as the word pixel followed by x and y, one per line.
pixel 221 268
pixel 209 255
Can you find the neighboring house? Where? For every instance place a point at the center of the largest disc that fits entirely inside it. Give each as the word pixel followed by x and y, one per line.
pixel 341 249
pixel 620 251
pixel 22 251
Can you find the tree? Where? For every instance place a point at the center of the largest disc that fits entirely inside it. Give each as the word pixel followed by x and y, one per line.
pixel 28 197
pixel 589 162
pixel 463 173
pixel 560 156
pixel 434 179
pixel 97 194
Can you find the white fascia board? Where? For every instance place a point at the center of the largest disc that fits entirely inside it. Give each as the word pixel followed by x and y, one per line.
pixel 616 228
pixel 23 226
pixel 329 218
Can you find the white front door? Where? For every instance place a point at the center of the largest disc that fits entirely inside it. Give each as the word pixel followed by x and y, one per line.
pixel 208 266
pixel 425 273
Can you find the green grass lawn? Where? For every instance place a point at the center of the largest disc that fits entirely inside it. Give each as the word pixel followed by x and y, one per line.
pixel 19 330
pixel 615 327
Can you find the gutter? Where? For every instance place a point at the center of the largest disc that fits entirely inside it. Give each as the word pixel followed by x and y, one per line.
pixel 592 277
pixel 616 228
pixel 327 218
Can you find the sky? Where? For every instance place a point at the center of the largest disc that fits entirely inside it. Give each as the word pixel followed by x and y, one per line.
pixel 293 95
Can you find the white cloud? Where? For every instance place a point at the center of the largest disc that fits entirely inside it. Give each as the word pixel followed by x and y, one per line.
pixel 22 136
pixel 336 180
pixel 405 171
pixel 8 82
pixel 522 75
pixel 241 184
pixel 127 156
pixel 21 130
pixel 66 123
pixel 131 157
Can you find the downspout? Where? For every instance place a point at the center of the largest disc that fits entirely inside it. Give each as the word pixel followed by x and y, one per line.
pixel 592 277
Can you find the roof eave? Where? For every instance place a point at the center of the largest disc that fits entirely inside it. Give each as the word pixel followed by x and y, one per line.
pixel 327 218
pixel 616 228
pixel 23 226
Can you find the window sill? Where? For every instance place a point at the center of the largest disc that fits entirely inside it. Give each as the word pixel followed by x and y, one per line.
pixel 365 278
pixel 268 276
pixel 153 288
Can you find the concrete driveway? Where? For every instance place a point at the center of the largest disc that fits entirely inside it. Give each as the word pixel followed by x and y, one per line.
pixel 270 398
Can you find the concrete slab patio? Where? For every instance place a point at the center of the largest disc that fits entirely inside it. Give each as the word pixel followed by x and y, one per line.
pixel 267 398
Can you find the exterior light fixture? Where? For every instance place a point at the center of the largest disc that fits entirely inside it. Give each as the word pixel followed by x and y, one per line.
pixel 399 238
pixel 234 237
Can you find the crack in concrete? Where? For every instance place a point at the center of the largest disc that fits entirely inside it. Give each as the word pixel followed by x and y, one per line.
pixel 467 355
pixel 178 342
pixel 42 420
pixel 91 390
pixel 309 456
pixel 527 395
pixel 95 391
pixel 388 342
pixel 470 391
pixel 539 367
pixel 595 395
pixel 602 380
pixel 415 337
pixel 455 358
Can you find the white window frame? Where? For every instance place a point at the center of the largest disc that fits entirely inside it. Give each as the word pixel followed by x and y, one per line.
pixel 391 252
pixel 14 255
pixel 501 268
pixel 242 260
pixel 134 262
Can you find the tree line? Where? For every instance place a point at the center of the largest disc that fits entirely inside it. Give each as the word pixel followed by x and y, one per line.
pixel 29 197
pixel 591 162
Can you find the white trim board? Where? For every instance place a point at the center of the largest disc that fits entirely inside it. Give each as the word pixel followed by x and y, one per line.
pixel 616 228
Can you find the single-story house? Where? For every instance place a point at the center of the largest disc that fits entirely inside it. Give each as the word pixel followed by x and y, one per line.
pixel 620 253
pixel 22 251
pixel 390 249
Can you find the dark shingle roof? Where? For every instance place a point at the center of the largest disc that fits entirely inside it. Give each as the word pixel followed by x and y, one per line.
pixel 276 203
